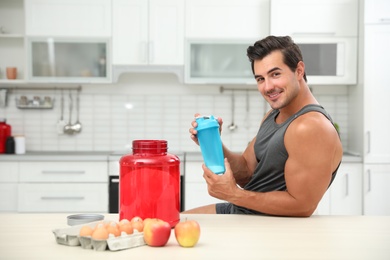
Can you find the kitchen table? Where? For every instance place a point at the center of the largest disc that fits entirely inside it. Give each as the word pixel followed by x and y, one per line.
pixel 29 236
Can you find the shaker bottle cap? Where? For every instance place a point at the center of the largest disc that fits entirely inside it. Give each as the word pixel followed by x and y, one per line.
pixel 206 122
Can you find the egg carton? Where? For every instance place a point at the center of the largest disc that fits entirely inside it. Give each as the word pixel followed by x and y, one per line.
pixel 70 237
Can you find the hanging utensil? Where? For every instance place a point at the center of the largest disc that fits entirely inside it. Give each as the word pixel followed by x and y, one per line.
pixel 68 127
pixel 232 126
pixel 77 126
pixel 61 123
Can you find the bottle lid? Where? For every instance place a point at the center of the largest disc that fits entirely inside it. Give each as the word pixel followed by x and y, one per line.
pixel 206 122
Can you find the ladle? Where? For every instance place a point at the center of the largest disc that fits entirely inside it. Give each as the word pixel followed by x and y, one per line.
pixel 77 126
pixel 68 127
pixel 232 126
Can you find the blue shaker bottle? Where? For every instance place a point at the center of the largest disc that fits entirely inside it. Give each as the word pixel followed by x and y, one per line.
pixel 210 143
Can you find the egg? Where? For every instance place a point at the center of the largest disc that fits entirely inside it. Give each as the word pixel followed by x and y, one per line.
pixel 127 228
pixel 85 231
pixel 112 228
pixel 100 232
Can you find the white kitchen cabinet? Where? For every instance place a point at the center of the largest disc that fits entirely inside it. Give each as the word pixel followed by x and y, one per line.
pixel 196 193
pixel 376 92
pixel 344 197
pixel 314 18
pixel 148 32
pixel 61 186
pixel 12 40
pixel 9 175
pixel 69 18
pixel 63 197
pixel 376 11
pixel 228 19
pixel 346 190
pixel 79 60
pixel 376 189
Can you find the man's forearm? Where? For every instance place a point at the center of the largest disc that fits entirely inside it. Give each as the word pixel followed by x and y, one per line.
pixel 239 166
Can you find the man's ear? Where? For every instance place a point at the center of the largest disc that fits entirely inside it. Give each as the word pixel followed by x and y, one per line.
pixel 300 69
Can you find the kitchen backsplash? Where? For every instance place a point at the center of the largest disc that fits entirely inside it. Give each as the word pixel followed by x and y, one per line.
pixel 148 106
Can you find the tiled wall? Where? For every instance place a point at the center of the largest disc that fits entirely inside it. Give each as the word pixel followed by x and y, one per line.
pixel 162 108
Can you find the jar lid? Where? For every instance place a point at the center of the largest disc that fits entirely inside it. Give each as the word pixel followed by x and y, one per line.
pixel 157 146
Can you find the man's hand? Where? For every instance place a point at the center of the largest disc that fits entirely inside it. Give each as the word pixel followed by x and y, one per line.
pixel 193 132
pixel 220 186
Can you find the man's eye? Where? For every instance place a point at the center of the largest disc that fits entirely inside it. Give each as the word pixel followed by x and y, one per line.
pixel 259 79
pixel 275 74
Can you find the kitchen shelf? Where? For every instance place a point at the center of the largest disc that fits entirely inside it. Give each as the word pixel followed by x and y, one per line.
pixel 31 104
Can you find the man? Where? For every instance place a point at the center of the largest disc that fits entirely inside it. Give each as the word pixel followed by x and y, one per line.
pixel 289 165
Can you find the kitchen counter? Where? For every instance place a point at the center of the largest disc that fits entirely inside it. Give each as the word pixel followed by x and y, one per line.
pixel 29 236
pixel 57 156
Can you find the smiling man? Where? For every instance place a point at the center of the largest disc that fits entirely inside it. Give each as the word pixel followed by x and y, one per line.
pixel 293 159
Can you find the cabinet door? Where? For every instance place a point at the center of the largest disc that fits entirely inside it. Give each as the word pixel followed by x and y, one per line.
pixel 9 172
pixel 346 190
pixel 227 19
pixel 376 189
pixel 376 11
pixel 148 32
pixel 376 93
pixel 314 17
pixel 166 32
pixel 68 18
pixel 63 172
pixel 63 197
pixel 8 197
pixel 130 32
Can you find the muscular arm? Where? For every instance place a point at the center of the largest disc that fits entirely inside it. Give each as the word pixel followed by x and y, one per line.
pixel 314 152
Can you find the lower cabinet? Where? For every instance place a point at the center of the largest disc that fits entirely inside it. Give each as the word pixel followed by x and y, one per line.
pixel 63 197
pixel 376 189
pixel 196 193
pixel 344 197
pixel 9 176
pixel 63 186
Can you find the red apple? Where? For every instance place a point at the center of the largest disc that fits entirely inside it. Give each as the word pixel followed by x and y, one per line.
pixel 156 232
pixel 187 233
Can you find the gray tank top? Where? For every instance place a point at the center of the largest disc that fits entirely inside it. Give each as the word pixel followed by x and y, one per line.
pixel 272 155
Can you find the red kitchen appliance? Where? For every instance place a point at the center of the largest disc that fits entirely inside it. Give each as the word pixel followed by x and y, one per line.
pixel 149 182
pixel 5 132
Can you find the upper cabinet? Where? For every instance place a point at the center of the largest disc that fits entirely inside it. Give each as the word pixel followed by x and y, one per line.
pixel 73 18
pixel 148 32
pixel 12 39
pixel 326 32
pixel 230 19
pixel 314 18
pixel 376 11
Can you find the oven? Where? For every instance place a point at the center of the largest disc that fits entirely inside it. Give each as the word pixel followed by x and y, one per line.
pixel 113 182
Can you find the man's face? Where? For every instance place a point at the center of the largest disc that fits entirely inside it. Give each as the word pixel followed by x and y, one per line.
pixel 275 81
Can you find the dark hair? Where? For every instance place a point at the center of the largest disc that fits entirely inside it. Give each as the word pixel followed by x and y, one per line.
pixel 291 52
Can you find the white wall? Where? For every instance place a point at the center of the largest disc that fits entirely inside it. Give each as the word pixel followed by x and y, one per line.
pixel 162 109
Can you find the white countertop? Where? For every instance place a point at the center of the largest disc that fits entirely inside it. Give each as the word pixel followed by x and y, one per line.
pixel 29 236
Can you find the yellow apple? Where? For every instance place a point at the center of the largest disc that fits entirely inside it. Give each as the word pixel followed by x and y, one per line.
pixel 187 233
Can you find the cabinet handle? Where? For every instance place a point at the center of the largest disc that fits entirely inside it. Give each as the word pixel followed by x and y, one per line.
pixel 368 180
pixel 151 52
pixel 144 52
pixel 346 185
pixel 368 142
pixel 62 172
pixel 384 19
pixel 61 198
